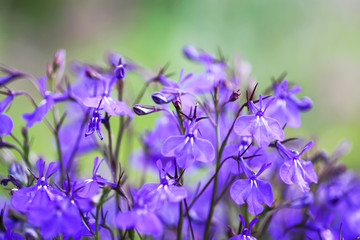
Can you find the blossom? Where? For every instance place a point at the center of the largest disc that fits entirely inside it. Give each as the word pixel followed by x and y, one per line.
pixel 111 105
pixel 95 124
pixel 296 170
pixel 246 232
pixel 259 125
pixel 141 217
pixel 7 124
pixel 252 190
pixel 165 191
pixel 286 106
pixel 45 105
pixel 188 148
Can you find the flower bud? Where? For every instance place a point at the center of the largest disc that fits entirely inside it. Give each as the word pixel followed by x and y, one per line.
pixel 59 58
pixel 191 52
pixel 160 98
pixel 140 109
pixel 234 96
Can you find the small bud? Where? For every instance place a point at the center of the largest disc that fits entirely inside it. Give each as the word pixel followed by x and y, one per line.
pixel 140 109
pixel 305 104
pixel 59 58
pixel 120 72
pixel 160 98
pixel 234 96
pixel 191 52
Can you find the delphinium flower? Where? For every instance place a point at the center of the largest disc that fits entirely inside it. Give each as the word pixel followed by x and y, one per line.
pixel 296 170
pixel 189 147
pixel 246 232
pixel 259 125
pixel 286 107
pixel 252 190
pixel 45 105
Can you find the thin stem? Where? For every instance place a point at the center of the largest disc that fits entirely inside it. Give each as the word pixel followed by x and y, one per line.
pixel 189 218
pixel 214 192
pixel 77 143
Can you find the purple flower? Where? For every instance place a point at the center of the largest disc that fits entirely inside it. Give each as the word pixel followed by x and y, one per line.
pixel 296 170
pixel 171 90
pixel 253 190
pixel 258 125
pixel 45 105
pixel 95 124
pixel 7 124
pixel 246 232
pixel 141 217
pixel 189 148
pixel 27 198
pixel 286 107
pixel 111 105
pixel 157 194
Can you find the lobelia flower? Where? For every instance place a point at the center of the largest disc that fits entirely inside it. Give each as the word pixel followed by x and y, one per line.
pixel 7 124
pixel 246 232
pixel 214 71
pixel 171 89
pixel 296 170
pixel 49 100
pixel 85 190
pixel 165 191
pixel 259 125
pixel 253 190
pixel 189 148
pixel 95 124
pixel 286 107
pixel 141 217
pixel 111 105
pixel 27 198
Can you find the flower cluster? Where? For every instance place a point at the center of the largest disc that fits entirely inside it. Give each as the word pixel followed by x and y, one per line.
pixel 218 150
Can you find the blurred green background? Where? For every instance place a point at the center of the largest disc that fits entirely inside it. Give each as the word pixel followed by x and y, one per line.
pixel 315 42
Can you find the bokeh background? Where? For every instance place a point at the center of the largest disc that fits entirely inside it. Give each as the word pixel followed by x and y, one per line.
pixel 315 42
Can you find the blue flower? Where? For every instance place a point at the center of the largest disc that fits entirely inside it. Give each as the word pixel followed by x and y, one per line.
pixel 189 148
pixel 259 125
pixel 252 190
pixel 296 170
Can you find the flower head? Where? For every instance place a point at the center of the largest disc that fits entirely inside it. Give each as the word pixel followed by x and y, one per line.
pixel 252 190
pixel 259 125
pixel 296 170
